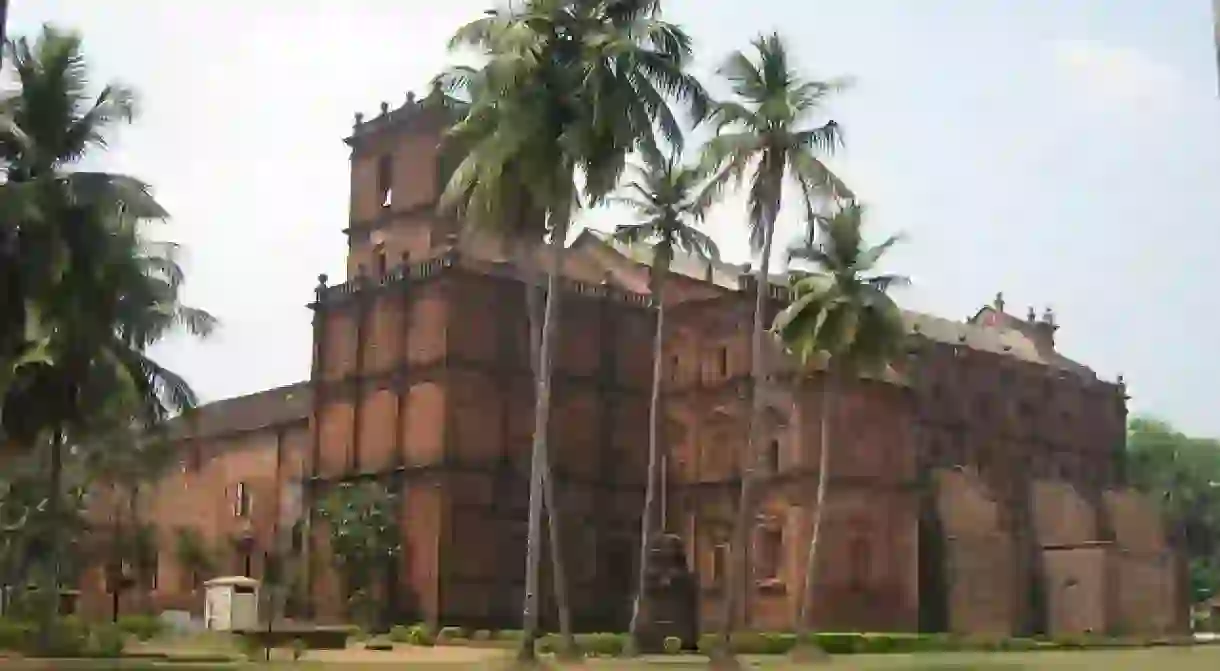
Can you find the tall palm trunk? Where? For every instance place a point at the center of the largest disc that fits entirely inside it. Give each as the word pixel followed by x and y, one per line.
pixel 654 423
pixel 829 389
pixel 538 455
pixel 534 308
pixel 51 596
pixel 735 591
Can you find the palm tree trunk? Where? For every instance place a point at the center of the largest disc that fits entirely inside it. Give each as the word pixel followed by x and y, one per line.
pixel 829 390
pixel 534 308
pixel 734 591
pixel 538 456
pixel 51 607
pixel 654 431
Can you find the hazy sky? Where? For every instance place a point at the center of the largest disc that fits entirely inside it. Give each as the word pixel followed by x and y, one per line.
pixel 1066 152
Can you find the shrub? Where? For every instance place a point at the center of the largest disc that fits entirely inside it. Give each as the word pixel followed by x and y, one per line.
pixel 548 644
pixel 450 634
pixel 481 635
pixel 602 644
pixel 708 642
pixel 15 636
pixel 509 635
pixel 837 644
pixel 379 645
pixel 672 645
pixel 107 640
pixel 299 648
pixel 416 634
pixel 251 646
pixel 142 627
pixel 68 637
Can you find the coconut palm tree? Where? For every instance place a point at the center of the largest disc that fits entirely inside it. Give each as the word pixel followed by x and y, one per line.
pixel 842 320
pixel 669 202
pixel 763 136
pixel 102 291
pixel 570 88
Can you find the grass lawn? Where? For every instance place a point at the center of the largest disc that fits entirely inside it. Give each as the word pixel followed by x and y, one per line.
pixel 1206 658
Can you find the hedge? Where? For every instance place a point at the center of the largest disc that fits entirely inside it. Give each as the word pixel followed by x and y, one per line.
pixel 68 637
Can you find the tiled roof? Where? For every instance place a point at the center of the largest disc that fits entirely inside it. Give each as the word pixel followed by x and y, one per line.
pixel 273 407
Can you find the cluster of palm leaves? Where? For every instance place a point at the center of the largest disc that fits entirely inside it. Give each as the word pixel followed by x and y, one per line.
pixel 566 93
pixel 84 292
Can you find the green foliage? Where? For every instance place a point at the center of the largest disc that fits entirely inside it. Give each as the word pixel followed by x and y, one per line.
pixel 1183 474
pixel 379 644
pixel 299 648
pixel 416 634
pixel 364 539
pixel 509 635
pixel 604 644
pixel 672 645
pixel 15 635
pixel 481 635
pixel 142 627
pixel 447 634
pixel 841 311
pixel 108 640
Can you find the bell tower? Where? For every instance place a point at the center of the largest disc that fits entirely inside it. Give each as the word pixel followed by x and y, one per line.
pixel 397 175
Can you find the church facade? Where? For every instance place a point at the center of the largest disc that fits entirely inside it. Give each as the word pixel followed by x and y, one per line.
pixel 979 489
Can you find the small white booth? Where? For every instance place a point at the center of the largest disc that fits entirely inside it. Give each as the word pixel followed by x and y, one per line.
pixel 230 603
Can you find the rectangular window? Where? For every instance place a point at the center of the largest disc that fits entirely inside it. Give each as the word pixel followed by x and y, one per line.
pixel 770 553
pixel 241 501
pixel 385 180
pixel 720 563
pixel 379 260
pixel 773 456
pixel 723 361
pixel 673 368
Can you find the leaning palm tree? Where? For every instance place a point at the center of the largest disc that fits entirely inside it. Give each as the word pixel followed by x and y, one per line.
pixel 669 201
pixel 762 137
pixel 570 88
pixel 102 291
pixel 843 321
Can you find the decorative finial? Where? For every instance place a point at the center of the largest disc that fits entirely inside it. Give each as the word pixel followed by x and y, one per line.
pixel 385 108
pixel 410 97
pixel 1048 316
pixel 1031 316
pixel 999 301
pixel 322 278
pixel 745 268
pixel 1121 381
pixel 359 118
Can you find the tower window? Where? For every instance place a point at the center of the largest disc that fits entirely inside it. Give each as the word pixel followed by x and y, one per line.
pixel 385 180
pixel 241 501
pixel 379 260
pixel 723 361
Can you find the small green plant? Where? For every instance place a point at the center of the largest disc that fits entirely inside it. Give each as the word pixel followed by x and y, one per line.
pixel 299 648
pixel 447 634
pixel 481 635
pixel 107 640
pixel 602 644
pixel 142 627
pixel 672 645
pixel 378 644
pixel 416 634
